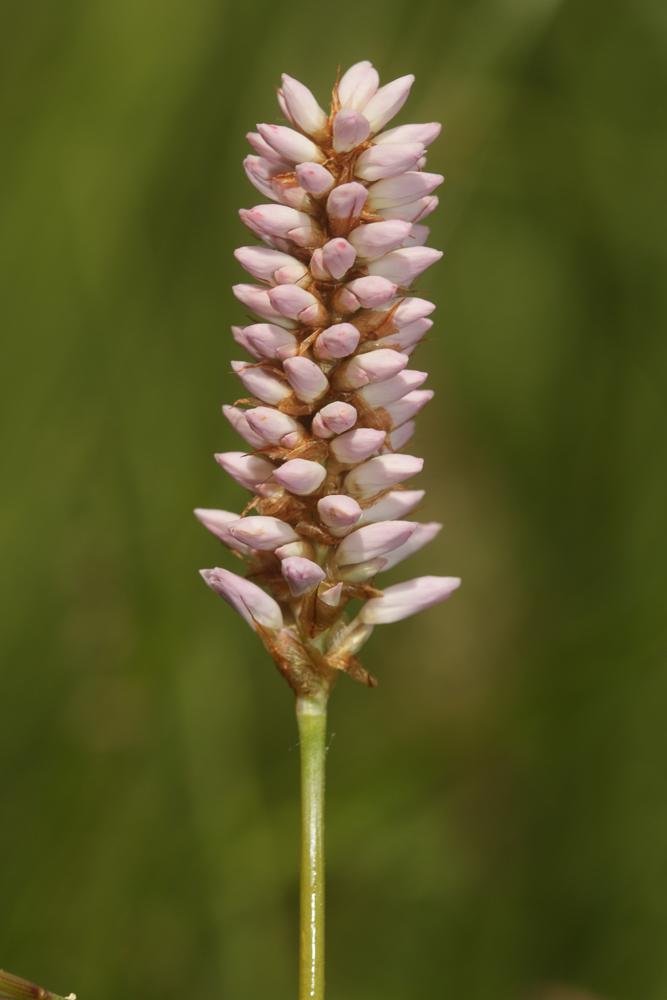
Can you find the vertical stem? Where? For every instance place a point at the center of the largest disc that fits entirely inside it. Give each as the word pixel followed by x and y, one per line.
pixel 311 716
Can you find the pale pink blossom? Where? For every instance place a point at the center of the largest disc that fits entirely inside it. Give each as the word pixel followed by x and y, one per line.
pixel 407 598
pixel 302 107
pixel 388 161
pixel 358 85
pixel 263 533
pixel 381 473
pixel 251 602
pixel 404 265
pixel 378 238
pixel 350 129
pixel 334 418
pixel 374 366
pixel 329 402
pixel 357 445
pixel 302 575
pixel 314 178
pixel 306 378
pixel 338 256
pixel 339 512
pixel 259 382
pixel 391 389
pixel 388 101
pixel 300 476
pixel 337 341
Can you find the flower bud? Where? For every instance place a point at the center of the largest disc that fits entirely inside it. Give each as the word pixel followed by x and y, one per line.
pixel 301 106
pixel 239 335
pixel 378 238
pixel 423 534
pixel 263 263
pixel 357 445
pixel 302 575
pixel 297 303
pixel 381 393
pixel 394 505
pixel 400 437
pixel 250 471
pixel 345 205
pixel 332 419
pixel 306 378
pixel 411 211
pixel 368 292
pixel 239 421
pixel 373 541
pixel 404 599
pixel 271 162
pixel 425 134
pixel 301 548
pixel 331 595
pixel 379 162
pixel 358 85
pixel 260 383
pixel 271 426
pixel 251 602
pixel 318 271
pixel 350 129
pixel 408 406
pixel 410 309
pixel 315 179
pixel 263 533
pixel 403 266
pixel 338 512
pixel 217 522
pixel 338 256
pixel 300 476
pixel 284 222
pixel 417 236
pixel 260 173
pixel 402 189
pixel 407 337
pixel 388 101
pixel 291 145
pixel 267 152
pixel 381 473
pixel 257 300
pixel 267 340
pixel 374 366
pixel 337 341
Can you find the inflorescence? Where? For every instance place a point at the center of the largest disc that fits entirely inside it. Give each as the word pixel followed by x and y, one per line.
pixel 329 397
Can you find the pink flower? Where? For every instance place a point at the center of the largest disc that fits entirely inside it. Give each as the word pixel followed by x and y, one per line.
pixel 407 598
pixel 350 129
pixel 329 401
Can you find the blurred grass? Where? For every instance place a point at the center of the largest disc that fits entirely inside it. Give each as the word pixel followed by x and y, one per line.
pixel 497 807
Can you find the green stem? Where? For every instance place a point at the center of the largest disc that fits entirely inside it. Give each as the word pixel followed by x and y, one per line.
pixel 311 716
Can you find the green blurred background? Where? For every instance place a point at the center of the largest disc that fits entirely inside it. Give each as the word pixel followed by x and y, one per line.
pixel 498 807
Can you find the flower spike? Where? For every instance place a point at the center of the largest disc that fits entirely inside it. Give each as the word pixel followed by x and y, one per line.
pixel 329 390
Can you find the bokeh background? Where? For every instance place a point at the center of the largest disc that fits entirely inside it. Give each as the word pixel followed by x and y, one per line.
pixel 498 807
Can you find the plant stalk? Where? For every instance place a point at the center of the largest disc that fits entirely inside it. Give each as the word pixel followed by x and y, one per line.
pixel 311 716
pixel 15 988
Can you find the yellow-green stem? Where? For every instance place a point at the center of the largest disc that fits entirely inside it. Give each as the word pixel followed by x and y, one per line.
pixel 311 716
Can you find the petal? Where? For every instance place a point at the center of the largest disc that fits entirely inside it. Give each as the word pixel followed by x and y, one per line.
pixel 407 598
pixel 251 602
